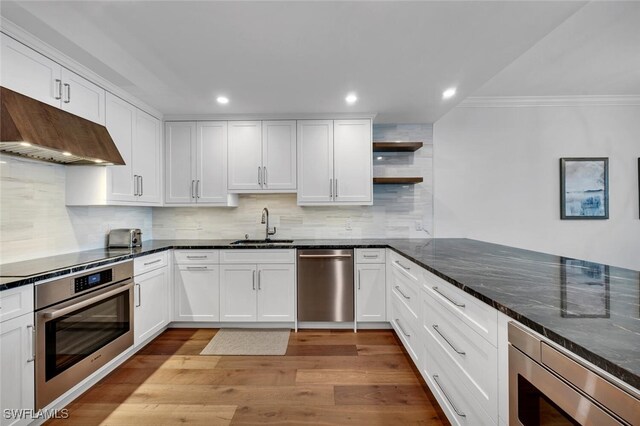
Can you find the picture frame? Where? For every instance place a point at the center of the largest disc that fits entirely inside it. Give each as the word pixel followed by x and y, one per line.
pixel 584 188
pixel 584 289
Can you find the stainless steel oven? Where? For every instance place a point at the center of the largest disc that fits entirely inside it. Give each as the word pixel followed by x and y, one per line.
pixel 549 387
pixel 82 322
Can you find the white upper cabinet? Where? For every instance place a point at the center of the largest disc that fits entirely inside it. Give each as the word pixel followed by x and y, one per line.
pixel 196 163
pixel 262 156
pixel 335 162
pixel 137 182
pixel 315 162
pixel 28 72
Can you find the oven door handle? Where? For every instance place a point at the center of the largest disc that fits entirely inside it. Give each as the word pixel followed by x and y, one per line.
pixel 56 313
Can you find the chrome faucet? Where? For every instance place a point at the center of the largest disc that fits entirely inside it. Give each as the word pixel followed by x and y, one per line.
pixel 265 220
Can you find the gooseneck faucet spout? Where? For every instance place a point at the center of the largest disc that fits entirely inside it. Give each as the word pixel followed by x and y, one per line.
pixel 265 221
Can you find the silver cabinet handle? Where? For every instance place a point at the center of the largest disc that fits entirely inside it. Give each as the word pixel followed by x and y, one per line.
pixel 66 101
pixel 58 89
pixel 197 257
pixel 193 184
pixel 397 262
pixel 259 176
pixel 197 268
pixel 402 328
pixel 370 256
pixel 259 280
pixel 358 279
pixel 264 176
pixel 141 185
pixel 336 188
pixel 400 291
pixel 254 280
pixel 198 189
pixel 135 185
pixel 460 305
pixel 435 327
pixel 139 295
pixel 331 188
pixel 32 351
pixel 459 413
pixel 151 263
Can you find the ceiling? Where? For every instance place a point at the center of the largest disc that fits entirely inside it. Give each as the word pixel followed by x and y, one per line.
pixel 596 52
pixel 294 57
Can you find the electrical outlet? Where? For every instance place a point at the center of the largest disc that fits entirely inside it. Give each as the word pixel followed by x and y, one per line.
pixel 419 226
pixel 347 225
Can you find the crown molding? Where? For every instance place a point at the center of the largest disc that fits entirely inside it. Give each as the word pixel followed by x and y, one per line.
pixel 20 34
pixel 285 116
pixel 548 101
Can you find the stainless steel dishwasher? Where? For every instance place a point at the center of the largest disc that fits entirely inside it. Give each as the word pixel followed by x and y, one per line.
pixel 325 285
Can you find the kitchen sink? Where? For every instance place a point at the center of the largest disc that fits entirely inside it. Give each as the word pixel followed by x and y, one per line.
pixel 260 242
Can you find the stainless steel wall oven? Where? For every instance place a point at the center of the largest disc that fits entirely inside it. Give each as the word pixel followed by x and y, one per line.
pixel 82 322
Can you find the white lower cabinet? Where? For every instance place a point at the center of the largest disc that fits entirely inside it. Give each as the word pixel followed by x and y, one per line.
pixel 196 293
pixel 16 368
pixel 262 292
pixel 150 301
pixel 370 292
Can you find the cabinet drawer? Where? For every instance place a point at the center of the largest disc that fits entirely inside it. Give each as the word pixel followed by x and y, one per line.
pixel 476 314
pixel 406 328
pixel 370 255
pixel 258 256
pixel 196 256
pixel 405 267
pixel 15 302
pixel 446 385
pixel 473 356
pixel 149 262
pixel 406 291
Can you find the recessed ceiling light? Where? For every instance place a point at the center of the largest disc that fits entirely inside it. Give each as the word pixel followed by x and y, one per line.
pixel 449 93
pixel 222 100
pixel 66 154
pixel 351 98
pixel 25 144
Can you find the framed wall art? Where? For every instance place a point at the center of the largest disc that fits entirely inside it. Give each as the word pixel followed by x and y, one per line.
pixel 584 188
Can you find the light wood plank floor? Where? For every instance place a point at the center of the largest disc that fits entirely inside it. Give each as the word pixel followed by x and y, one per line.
pixel 325 378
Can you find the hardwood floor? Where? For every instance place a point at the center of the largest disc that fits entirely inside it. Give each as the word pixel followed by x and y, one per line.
pixel 325 378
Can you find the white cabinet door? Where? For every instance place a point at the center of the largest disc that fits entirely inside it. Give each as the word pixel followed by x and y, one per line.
pixel 276 285
pixel 121 121
pixel 16 365
pixel 353 161
pixel 238 293
pixel 197 293
pixel 146 157
pixel 25 71
pixel 279 155
pixel 315 162
pixel 151 294
pixel 245 155
pixel 211 163
pixel 180 157
pixel 371 292
pixel 82 98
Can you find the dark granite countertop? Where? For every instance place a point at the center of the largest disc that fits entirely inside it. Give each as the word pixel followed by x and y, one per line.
pixel 591 309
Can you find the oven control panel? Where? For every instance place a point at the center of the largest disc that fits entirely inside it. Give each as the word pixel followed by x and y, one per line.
pixel 89 281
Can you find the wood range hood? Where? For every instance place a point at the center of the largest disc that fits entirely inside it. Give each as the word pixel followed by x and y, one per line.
pixel 33 129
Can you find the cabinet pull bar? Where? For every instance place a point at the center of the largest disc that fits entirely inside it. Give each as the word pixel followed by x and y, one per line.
pixel 193 183
pixel 259 176
pixel 33 344
pixel 400 291
pixel 460 305
pixel 197 257
pixel 370 256
pixel 358 279
pixel 151 263
pixel 331 188
pixel 435 327
pixel 397 262
pixel 199 268
pixel 264 176
pixel 135 185
pixel 254 280
pixel 198 188
pixel 141 185
pixel 336 188
pixel 58 89
pixel 139 296
pixel 259 280
pixel 435 379
pixel 66 101
pixel 402 328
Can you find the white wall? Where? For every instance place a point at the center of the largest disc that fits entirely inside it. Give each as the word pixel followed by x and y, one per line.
pixel 34 221
pixel 496 177
pixel 395 210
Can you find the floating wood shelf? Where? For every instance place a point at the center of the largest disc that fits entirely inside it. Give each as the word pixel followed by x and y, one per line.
pixel 396 146
pixel 397 180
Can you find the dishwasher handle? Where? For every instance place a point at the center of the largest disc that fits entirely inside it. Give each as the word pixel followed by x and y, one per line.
pixel 324 256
